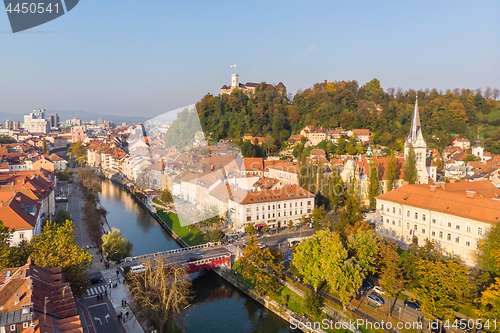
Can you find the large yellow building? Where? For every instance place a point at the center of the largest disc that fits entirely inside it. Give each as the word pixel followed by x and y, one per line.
pixel 455 215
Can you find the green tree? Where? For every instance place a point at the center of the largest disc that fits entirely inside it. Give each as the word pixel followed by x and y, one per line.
pixel 250 229
pixel 488 257
pixel 5 237
pixel 78 151
pixel 391 274
pixel 44 146
pixel 374 184
pixel 410 166
pixel 55 247
pixel 308 257
pixel 318 214
pixel 166 196
pixel 336 190
pixel 115 245
pixel 363 246
pixel 442 286
pixel 215 235
pixel 391 171
pixel 313 303
pixel 416 253
pixel 489 304
pixel 62 216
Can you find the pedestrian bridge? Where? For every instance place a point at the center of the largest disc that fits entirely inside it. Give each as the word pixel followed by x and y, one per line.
pixel 170 252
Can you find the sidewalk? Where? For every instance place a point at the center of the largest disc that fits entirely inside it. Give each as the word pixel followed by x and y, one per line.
pixel 117 294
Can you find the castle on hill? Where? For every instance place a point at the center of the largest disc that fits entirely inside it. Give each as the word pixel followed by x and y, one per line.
pixel 247 87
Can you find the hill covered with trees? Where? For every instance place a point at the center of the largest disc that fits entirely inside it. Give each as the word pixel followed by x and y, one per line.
pixel 272 114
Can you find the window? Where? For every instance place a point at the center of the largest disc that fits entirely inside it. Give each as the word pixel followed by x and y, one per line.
pixel 433 233
pixel 284 213
pixel 415 227
pixel 457 226
pixel 273 206
pixel 256 209
pixel 467 228
pixel 12 327
pixel 284 205
pixel 308 210
pixel 441 221
pixel 394 210
pixel 393 233
pixel 416 215
pixel 268 216
pixel 400 211
pixel 467 243
pixel 279 206
pixel 423 230
pixel 457 239
pixel 393 222
pixel 309 203
pixel 387 221
pixel 295 212
pixel 449 224
pixel 301 204
pixel 263 208
pixel 479 231
pixel 408 213
pixel 434 221
pixel 399 223
pixel 301 212
pixel 273 214
pixel 448 236
pixel 440 234
pixel 295 204
pixel 407 225
pixel 21 235
pixel 423 217
pixel 249 210
pixel 382 219
pixel 26 324
pixel 382 207
pixel 278 214
pixel 249 218
pixel 268 207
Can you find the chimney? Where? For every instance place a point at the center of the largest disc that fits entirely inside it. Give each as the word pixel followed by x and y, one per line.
pixel 405 183
pixel 432 188
pixel 470 194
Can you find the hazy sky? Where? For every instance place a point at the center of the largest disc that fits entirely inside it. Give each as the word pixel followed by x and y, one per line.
pixel 149 57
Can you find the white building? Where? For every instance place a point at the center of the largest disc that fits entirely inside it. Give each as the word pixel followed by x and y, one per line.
pixel 456 215
pixel 272 207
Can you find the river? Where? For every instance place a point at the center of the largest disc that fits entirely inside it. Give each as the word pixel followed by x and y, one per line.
pixel 217 305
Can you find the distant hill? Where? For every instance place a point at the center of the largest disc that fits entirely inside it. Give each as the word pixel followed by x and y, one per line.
pixel 83 115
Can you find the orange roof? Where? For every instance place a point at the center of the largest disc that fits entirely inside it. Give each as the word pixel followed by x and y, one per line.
pixel 252 164
pixel 286 166
pixel 289 192
pixel 451 199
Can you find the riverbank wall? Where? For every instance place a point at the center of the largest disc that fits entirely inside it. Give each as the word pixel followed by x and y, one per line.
pixel 270 304
pixel 118 181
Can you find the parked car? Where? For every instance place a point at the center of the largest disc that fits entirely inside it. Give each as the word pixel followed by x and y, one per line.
pixel 437 327
pixel 412 304
pixel 378 290
pixel 192 259
pixel 375 299
pixel 367 285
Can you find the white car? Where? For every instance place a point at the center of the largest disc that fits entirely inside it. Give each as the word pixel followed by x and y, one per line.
pixel 378 301
pixel 378 290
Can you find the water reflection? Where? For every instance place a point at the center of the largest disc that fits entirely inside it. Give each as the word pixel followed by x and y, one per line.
pixel 219 307
pixel 134 223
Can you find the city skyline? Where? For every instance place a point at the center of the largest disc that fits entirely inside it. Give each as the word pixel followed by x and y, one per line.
pixel 150 60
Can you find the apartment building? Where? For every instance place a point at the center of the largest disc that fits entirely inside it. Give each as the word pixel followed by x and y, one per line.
pixel 456 215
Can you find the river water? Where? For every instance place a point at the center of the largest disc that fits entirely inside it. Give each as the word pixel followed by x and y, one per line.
pixel 217 306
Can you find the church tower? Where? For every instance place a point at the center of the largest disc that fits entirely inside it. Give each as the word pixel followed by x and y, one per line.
pixel 416 139
pixel 235 80
pixel 477 150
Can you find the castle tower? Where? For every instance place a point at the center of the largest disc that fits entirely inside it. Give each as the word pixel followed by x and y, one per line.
pixel 416 139
pixel 235 80
pixel 477 150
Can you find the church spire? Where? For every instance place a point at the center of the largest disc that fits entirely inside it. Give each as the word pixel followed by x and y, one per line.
pixel 416 128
